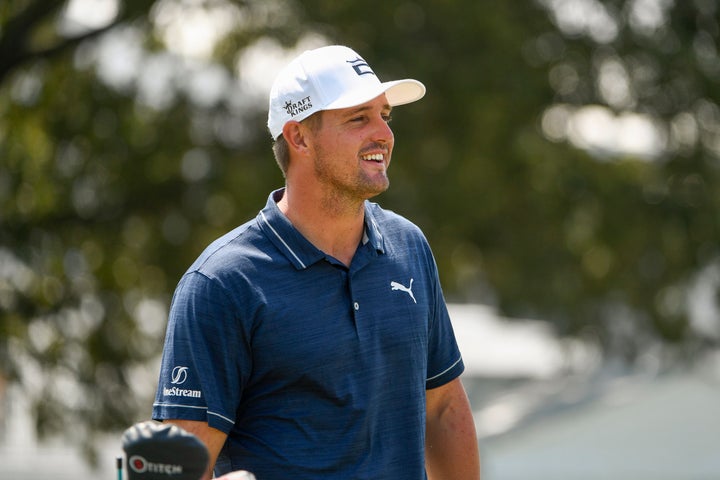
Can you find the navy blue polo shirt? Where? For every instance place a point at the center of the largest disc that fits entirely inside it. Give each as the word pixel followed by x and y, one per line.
pixel 314 370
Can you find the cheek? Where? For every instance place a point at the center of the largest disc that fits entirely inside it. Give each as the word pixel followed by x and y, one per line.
pixel 339 144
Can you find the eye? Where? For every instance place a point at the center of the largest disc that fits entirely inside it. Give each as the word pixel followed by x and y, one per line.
pixel 387 118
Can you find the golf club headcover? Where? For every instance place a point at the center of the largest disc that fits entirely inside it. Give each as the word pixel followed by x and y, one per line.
pixel 163 451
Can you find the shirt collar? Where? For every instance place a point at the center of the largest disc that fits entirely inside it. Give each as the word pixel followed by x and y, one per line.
pixel 372 230
pixel 298 250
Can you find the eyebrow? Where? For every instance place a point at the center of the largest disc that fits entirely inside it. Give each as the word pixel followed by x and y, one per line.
pixel 365 108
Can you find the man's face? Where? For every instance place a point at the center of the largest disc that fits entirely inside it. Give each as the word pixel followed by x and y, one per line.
pixel 353 148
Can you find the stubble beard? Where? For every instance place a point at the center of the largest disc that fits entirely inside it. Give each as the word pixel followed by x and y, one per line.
pixel 349 191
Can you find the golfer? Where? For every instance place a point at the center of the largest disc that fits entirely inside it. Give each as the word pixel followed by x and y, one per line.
pixel 314 342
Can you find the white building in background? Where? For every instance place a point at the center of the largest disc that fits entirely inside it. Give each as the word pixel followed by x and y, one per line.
pixel 565 416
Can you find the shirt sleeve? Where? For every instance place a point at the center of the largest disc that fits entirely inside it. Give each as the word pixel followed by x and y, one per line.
pixel 199 379
pixel 444 360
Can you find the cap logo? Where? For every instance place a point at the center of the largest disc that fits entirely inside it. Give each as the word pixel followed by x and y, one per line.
pixel 294 108
pixel 361 67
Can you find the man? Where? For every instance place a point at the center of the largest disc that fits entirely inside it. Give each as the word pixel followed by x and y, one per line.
pixel 313 342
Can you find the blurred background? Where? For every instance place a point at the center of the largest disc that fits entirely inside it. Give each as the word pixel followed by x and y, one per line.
pixel 564 165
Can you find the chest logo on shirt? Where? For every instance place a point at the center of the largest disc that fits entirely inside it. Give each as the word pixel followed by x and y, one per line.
pixel 403 288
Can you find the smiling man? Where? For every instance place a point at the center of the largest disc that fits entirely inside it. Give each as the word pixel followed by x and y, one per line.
pixel 316 335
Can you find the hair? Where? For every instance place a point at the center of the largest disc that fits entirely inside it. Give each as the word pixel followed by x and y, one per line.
pixel 280 147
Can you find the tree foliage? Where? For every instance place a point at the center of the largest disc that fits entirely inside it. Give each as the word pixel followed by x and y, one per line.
pixel 121 158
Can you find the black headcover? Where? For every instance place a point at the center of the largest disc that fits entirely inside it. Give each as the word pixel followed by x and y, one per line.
pixel 162 451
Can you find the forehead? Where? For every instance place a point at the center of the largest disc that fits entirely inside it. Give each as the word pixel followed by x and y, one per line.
pixel 379 103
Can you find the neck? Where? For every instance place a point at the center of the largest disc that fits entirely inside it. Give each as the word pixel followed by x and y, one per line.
pixel 333 225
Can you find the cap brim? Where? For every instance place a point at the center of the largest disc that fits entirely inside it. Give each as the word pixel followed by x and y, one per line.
pixel 398 92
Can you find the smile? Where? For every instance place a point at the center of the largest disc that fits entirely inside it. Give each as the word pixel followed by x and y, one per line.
pixel 375 157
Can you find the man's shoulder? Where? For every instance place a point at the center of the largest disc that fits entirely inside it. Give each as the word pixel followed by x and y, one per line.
pixel 225 252
pixel 391 222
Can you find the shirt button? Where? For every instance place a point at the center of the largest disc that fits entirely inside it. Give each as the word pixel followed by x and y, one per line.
pixel 356 305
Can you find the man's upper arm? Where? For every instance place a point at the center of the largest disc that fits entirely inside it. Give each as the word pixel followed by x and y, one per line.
pixel 451 449
pixel 439 398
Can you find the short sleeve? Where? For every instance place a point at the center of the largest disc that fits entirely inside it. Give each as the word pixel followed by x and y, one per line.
pixel 444 359
pixel 206 358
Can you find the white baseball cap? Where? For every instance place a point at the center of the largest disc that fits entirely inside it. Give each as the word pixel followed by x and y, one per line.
pixel 328 78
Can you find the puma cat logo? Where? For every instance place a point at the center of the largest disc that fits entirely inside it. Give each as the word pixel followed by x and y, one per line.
pixel 403 288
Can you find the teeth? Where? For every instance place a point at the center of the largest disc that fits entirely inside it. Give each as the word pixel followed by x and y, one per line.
pixel 376 157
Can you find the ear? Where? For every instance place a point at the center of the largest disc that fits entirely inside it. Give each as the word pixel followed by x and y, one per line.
pixel 296 136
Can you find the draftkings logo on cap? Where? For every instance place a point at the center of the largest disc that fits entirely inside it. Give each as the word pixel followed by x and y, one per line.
pixel 158 451
pixel 297 108
pixel 329 78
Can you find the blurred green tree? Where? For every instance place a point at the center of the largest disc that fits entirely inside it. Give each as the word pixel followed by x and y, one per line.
pixel 132 137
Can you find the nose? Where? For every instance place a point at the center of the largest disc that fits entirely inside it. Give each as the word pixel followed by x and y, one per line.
pixel 382 132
